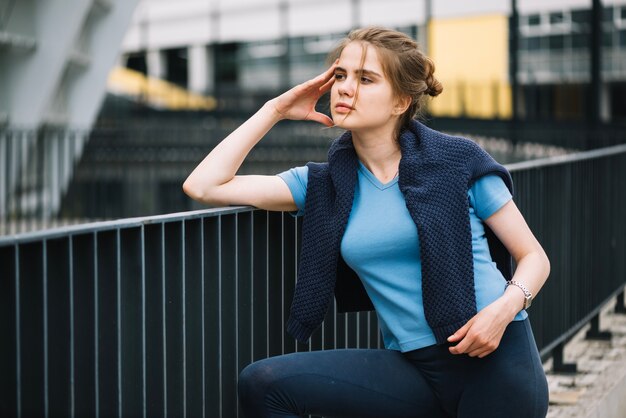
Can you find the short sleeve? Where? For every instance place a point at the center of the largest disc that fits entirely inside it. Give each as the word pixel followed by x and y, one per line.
pixel 297 179
pixel 488 194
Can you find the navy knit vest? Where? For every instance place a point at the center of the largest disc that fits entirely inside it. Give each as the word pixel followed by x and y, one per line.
pixel 435 173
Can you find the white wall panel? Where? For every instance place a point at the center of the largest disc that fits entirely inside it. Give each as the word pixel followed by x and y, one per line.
pixel 320 17
pixel 392 12
pixel 251 25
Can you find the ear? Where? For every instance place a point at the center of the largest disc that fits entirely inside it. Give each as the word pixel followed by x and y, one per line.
pixel 402 104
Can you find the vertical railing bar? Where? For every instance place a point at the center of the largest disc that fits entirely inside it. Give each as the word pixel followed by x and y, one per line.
pixel 335 324
pixel 184 296
pixel 282 282
pixel 368 333
pixel 18 336
pixel 236 297
pixel 251 287
pixel 119 319
pixel 345 329
pixel 202 318
pixel 23 175
pixel 72 342
pixel 163 317
pixel 4 178
pixel 267 282
pixel 17 146
pixel 96 323
pixel 45 326
pixel 219 311
pixel 143 319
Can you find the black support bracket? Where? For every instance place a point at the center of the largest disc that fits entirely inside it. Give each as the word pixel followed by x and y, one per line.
pixel 594 332
pixel 557 361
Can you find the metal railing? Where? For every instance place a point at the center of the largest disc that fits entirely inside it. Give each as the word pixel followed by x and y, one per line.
pixel 156 316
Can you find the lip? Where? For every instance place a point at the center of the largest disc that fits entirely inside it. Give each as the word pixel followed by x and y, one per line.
pixel 343 107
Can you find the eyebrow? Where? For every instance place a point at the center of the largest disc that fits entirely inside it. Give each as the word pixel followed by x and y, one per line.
pixel 362 71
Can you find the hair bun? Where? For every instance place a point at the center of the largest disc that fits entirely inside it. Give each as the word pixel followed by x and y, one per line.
pixel 434 87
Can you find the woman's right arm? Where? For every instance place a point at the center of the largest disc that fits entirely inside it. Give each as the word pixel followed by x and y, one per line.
pixel 214 181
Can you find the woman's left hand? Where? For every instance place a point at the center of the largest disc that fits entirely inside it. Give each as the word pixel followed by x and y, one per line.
pixel 481 335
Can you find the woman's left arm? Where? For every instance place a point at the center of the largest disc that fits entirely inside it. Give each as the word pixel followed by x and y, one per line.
pixel 481 335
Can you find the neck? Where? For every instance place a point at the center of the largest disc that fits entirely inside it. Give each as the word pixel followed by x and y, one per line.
pixel 380 154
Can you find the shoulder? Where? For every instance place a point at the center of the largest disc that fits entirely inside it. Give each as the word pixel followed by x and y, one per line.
pixel 317 171
pixel 448 146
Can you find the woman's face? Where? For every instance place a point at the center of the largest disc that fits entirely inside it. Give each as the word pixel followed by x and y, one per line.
pixel 376 107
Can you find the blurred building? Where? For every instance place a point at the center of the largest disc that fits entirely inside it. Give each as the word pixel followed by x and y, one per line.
pixel 217 61
pixel 55 57
pixel 214 47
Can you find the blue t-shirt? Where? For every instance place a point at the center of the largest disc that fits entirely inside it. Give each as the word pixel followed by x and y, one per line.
pixel 381 245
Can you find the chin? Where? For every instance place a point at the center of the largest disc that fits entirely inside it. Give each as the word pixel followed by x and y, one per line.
pixel 341 121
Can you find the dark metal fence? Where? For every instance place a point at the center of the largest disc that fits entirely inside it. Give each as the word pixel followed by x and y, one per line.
pixel 156 316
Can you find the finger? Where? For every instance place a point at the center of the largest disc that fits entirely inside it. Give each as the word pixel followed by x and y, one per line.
pixel 480 353
pixel 327 86
pixel 321 118
pixel 460 348
pixel 321 79
pixel 329 73
pixel 324 77
pixel 460 333
pixel 467 344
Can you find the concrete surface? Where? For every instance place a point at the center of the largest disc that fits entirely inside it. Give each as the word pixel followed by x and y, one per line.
pixel 598 389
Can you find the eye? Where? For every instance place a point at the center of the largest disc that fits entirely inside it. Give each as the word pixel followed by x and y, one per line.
pixel 339 76
pixel 365 80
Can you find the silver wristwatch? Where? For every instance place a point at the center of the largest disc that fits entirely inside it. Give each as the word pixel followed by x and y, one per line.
pixel 528 297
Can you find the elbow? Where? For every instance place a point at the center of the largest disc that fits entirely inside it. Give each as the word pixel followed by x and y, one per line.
pixel 201 193
pixel 193 191
pixel 543 261
pixel 188 189
pixel 547 264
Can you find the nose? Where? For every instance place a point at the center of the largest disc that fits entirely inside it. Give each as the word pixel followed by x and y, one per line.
pixel 346 87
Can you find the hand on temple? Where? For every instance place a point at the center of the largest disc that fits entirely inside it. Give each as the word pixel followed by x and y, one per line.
pixel 299 102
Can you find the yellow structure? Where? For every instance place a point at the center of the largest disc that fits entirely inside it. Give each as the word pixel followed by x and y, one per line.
pixel 155 92
pixel 471 61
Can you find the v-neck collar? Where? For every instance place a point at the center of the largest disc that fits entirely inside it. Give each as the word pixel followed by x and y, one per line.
pixel 374 180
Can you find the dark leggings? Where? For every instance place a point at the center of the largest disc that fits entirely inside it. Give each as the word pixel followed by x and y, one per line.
pixel 428 382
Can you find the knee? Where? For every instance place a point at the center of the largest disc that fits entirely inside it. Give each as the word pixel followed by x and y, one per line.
pixel 248 381
pixel 253 384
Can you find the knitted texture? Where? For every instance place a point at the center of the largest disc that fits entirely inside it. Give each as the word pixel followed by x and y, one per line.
pixel 435 173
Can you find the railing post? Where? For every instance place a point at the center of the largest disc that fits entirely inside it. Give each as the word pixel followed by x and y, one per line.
pixel 620 308
pixel 594 332
pixel 557 361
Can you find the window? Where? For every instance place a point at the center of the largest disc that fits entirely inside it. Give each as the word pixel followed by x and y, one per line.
pixel 534 43
pixel 137 61
pixel 556 18
pixel 622 38
pixel 523 44
pixel 580 40
pixel 556 42
pixel 581 16
pixel 534 20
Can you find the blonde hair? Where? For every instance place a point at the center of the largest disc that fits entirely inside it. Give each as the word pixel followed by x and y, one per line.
pixel 408 70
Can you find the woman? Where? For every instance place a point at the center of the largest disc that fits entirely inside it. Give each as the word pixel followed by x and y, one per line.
pixel 404 219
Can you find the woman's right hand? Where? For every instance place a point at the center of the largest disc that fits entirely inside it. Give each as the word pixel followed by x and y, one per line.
pixel 299 102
